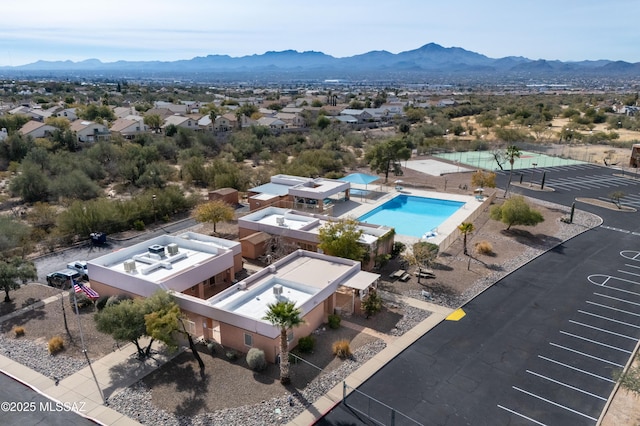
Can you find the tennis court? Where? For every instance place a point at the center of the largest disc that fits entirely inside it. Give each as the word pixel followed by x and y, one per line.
pixel 485 160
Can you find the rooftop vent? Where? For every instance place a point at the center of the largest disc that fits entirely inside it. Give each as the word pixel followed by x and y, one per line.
pixel 242 285
pixel 172 249
pixel 129 265
pixel 277 290
pixel 156 249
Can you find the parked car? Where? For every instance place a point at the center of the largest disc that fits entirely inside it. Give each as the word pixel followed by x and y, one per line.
pixel 62 279
pixel 80 266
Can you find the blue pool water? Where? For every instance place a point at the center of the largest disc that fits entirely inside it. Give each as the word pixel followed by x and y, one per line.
pixel 410 215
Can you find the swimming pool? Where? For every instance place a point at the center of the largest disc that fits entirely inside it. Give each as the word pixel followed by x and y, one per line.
pixel 411 215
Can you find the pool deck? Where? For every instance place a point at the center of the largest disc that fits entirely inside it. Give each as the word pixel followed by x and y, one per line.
pixel 443 231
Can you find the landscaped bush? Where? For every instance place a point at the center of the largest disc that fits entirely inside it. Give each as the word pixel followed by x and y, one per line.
pixel 102 302
pixel 484 247
pixel 231 355
pixel 80 298
pixel 372 304
pixel 18 331
pixel 56 344
pixel 334 321
pixel 256 359
pixel 138 225
pixel 342 349
pixel 306 344
pixel 398 248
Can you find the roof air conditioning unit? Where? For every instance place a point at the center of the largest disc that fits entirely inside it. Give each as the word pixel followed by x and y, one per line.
pixel 280 220
pixel 277 290
pixel 242 285
pixel 156 249
pixel 129 265
pixel 172 249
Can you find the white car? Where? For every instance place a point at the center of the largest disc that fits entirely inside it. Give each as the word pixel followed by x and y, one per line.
pixel 80 266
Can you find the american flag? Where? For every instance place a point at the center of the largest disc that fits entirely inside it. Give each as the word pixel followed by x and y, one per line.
pixel 91 293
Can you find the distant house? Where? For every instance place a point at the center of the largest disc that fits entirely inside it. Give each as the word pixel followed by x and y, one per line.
pixel 180 121
pixel 272 123
pixel 232 119
pixel 128 128
pixel 36 129
pixel 359 114
pixel 89 131
pixel 68 113
pixel 223 123
pixel 291 119
pixel 122 112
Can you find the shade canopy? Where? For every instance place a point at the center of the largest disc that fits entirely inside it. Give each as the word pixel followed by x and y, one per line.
pixel 360 178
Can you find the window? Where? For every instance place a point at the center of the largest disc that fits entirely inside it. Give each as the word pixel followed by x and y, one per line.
pixel 290 336
pixel 190 326
pixel 248 340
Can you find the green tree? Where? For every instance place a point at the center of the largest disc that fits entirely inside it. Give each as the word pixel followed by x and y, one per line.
pixel 13 272
pixel 386 155
pixel 516 211
pixel 284 315
pixel 372 304
pixel 13 233
pixel 154 121
pixel 213 212
pixel 423 254
pixel 31 184
pixel 481 179
pixel 125 321
pixel 511 154
pixel 465 229
pixel 341 239
pixel 165 320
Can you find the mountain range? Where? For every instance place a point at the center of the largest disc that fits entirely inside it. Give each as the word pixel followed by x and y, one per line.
pixel 430 59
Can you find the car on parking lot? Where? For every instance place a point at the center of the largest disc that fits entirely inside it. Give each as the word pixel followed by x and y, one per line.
pixel 80 266
pixel 62 278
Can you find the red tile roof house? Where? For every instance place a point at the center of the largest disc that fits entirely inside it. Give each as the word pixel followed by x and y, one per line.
pixel 200 271
pixel 36 129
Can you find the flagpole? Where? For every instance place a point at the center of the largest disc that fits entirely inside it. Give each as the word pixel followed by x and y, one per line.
pixel 84 350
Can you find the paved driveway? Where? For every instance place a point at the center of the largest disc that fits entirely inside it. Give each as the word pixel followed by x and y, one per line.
pixel 538 347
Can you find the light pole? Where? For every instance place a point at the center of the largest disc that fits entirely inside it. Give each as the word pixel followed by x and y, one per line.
pixel 153 202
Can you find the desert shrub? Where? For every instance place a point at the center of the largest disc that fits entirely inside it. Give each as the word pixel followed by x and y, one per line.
pixel 80 298
pixel 138 225
pixel 56 344
pixel 342 349
pixel 102 302
pixel 256 360
pixel 231 355
pixel 398 248
pixel 306 343
pixel 115 299
pixel 372 304
pixel 334 321
pixel 18 331
pixel 484 247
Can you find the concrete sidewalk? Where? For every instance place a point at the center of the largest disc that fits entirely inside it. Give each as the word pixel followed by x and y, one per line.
pixel 113 372
pixel 394 347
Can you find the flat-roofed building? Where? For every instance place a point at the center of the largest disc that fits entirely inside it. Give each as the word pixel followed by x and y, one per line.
pixel 298 193
pixel 297 229
pixel 318 284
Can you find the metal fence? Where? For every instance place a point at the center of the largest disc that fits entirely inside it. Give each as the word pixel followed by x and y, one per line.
pixel 376 411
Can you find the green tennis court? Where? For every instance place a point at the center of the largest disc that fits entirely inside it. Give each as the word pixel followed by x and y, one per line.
pixel 485 160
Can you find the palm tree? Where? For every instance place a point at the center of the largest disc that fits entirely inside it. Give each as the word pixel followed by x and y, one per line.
pixel 285 315
pixel 511 153
pixel 465 228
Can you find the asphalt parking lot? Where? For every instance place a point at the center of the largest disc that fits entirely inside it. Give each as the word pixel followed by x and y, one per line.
pixel 539 347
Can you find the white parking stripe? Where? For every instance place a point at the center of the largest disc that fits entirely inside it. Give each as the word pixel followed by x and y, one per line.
pixel 603 330
pixel 606 361
pixel 608 319
pixel 555 403
pixel 612 308
pixel 630 273
pixel 566 385
pixel 606 379
pixel 595 342
pixel 521 415
pixel 617 299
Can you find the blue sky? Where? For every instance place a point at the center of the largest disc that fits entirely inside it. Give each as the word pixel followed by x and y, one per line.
pixel 169 30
